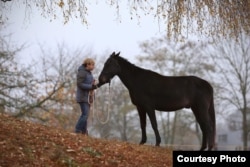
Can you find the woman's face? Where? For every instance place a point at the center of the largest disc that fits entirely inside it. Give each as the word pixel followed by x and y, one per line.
pixel 90 66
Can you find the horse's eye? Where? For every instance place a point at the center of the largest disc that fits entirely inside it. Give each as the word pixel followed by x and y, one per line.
pixel 108 62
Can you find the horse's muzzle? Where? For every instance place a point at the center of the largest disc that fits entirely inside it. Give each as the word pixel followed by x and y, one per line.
pixel 103 79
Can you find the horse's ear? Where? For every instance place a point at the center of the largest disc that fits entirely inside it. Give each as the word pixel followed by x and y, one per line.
pixel 112 55
pixel 118 54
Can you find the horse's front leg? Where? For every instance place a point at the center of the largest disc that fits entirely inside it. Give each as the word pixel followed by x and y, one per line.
pixel 151 114
pixel 142 115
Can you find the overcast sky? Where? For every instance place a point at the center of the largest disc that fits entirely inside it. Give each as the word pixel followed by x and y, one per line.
pixel 104 32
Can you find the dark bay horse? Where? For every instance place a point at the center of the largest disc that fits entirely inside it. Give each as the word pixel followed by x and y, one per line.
pixel 150 91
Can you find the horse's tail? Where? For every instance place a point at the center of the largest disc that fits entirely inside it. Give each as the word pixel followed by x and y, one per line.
pixel 211 113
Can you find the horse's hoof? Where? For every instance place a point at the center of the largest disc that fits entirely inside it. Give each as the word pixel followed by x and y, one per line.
pixel 141 143
pixel 202 148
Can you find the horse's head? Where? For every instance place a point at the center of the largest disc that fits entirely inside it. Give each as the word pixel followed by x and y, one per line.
pixel 110 69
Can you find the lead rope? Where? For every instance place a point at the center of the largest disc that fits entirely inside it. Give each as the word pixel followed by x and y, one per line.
pixel 96 114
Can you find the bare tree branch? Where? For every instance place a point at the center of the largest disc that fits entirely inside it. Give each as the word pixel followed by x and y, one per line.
pixel 232 60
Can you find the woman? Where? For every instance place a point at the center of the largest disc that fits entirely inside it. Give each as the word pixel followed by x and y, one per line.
pixel 85 87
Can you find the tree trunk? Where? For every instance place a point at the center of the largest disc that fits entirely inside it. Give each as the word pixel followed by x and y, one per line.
pixel 244 129
pixel 124 133
pixel 165 136
pixel 174 127
pixel 244 113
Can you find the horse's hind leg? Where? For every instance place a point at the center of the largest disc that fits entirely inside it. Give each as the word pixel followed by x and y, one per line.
pixel 210 138
pixel 212 125
pixel 204 136
pixel 202 118
pixel 210 143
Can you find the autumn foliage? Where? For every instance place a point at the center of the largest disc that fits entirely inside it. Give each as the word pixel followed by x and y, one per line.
pixel 24 143
pixel 209 18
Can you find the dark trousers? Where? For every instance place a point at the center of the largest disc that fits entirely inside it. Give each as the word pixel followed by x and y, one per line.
pixel 81 125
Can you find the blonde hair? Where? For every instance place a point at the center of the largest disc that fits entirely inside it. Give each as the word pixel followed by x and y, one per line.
pixel 88 61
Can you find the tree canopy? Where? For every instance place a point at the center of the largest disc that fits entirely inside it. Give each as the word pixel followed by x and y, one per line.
pixel 211 18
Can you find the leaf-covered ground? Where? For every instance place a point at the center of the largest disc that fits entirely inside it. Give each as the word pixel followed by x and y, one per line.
pixel 24 143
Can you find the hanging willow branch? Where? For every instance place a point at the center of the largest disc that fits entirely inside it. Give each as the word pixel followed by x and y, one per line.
pixel 212 18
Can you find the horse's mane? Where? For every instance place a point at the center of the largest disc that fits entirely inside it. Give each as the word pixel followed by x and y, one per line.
pixel 123 60
pixel 132 66
pixel 127 63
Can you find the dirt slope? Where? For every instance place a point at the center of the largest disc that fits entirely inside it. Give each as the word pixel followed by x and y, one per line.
pixel 24 143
